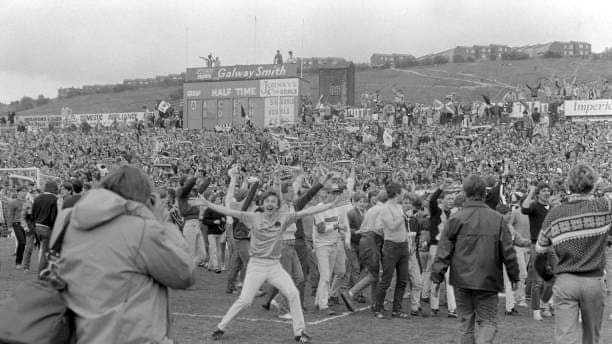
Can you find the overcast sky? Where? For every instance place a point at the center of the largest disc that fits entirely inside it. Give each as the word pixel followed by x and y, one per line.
pixel 49 44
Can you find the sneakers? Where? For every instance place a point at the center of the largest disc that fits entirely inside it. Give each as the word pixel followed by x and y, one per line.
pixel 347 299
pixel 217 334
pixel 512 312
pixel 360 299
pixel 303 338
pixel 537 315
pixel 272 305
pixel 546 314
pixel 522 304
pixel 286 316
pixel 452 314
pixel 19 267
pixel 334 300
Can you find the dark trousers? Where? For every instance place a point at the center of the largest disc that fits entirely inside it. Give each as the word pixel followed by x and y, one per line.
pixel 21 242
pixel 44 236
pixel 394 259
pixel 477 307
pixel 238 261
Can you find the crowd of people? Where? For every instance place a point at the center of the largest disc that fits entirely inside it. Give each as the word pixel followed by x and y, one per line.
pixel 336 206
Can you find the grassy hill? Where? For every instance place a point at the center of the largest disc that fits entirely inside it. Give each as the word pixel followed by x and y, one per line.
pixel 419 84
pixel 126 101
pixel 470 80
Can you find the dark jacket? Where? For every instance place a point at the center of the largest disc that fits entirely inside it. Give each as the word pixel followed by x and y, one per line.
pixel 435 213
pixel 355 218
pixel 300 203
pixel 475 243
pixel 187 211
pixel 210 216
pixel 240 230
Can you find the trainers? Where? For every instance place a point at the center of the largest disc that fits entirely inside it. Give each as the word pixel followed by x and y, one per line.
pixel 452 314
pixel 537 315
pixel 217 334
pixel 546 314
pixel 512 312
pixel 303 338
pixel 334 300
pixel 18 266
pixel 523 304
pixel 286 316
pixel 347 301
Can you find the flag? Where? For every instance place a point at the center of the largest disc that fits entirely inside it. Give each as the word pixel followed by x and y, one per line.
pixel 242 112
pixel 438 105
pixel 163 106
pixel 387 138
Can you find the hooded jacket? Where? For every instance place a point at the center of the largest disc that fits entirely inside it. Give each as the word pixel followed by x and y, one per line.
pixel 118 262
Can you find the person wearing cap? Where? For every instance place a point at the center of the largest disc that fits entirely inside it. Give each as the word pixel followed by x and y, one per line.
pixel 576 233
pixel 394 252
pixel 331 235
pixel 474 244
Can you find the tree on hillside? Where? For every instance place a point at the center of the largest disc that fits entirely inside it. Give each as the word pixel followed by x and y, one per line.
pixel 41 100
pixel 26 103
pixel 515 55
pixel 439 59
pixel 458 58
pixel 551 54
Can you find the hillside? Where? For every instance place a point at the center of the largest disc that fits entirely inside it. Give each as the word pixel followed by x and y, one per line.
pixel 126 101
pixel 419 84
pixel 471 80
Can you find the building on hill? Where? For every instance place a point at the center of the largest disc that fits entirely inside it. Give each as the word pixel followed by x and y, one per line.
pixel 473 53
pixel 391 60
pixel 67 92
pixel 557 48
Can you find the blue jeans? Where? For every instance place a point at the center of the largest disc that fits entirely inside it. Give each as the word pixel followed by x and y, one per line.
pixel 574 295
pixel 394 259
pixel 477 307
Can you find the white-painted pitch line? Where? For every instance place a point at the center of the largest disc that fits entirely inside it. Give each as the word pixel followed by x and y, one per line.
pixel 221 317
pixel 336 316
pixel 311 323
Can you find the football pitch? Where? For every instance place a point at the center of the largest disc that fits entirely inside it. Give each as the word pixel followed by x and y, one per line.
pixel 196 312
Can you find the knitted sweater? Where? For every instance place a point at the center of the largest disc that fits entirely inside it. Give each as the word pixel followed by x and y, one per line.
pixel 577 232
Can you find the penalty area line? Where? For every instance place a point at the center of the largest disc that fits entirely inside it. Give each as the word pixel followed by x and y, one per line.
pixel 221 317
pixel 336 316
pixel 311 323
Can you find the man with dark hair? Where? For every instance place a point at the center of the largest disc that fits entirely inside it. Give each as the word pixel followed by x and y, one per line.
pixel 77 188
pixel 474 244
pixel 536 210
pixel 44 212
pixel 395 252
pixel 13 220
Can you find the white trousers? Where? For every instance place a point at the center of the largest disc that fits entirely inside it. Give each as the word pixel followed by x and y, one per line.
pixel 195 240
pixel 258 272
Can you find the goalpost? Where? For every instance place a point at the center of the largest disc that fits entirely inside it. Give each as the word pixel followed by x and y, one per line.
pixel 30 174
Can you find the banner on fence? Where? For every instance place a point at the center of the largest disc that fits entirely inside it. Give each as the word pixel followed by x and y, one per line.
pixel 583 108
pixel 104 119
pixel 518 108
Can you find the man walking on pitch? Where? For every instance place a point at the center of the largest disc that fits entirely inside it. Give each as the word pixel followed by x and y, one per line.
pixel 475 243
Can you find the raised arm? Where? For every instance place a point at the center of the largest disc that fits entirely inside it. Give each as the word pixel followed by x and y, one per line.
pixel 223 210
pixel 184 191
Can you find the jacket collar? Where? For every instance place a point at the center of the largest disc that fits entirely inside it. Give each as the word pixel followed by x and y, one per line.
pixel 474 204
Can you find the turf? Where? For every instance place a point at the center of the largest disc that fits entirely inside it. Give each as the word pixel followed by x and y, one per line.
pixel 197 311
